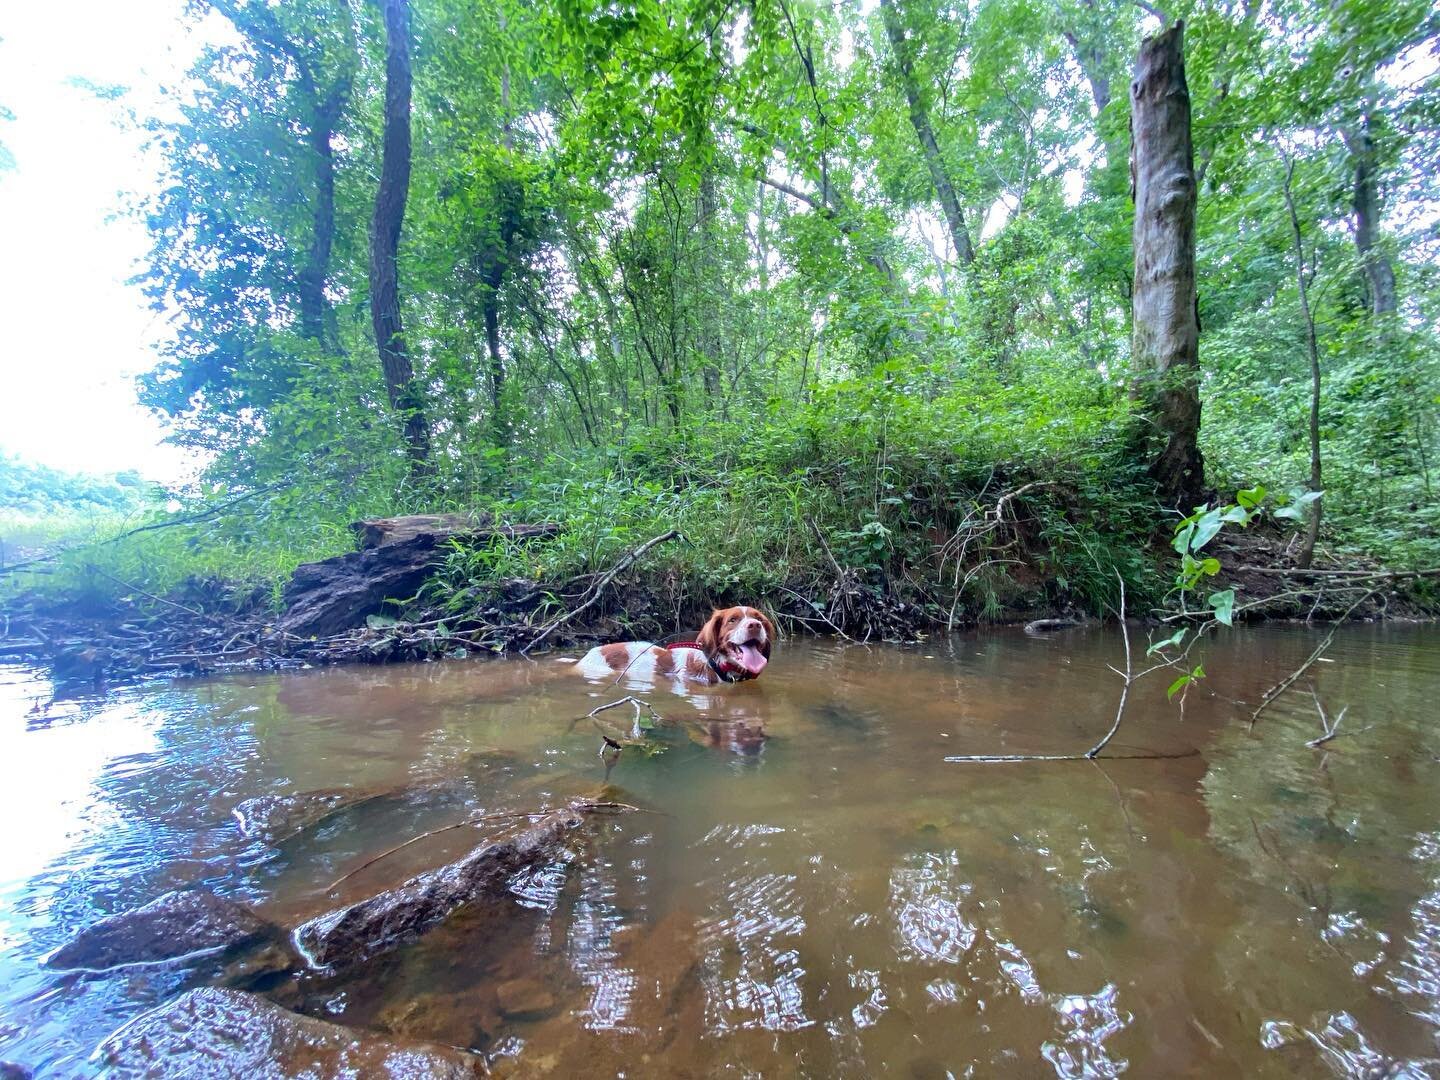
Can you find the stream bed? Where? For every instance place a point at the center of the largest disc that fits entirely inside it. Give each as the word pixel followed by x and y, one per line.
pixel 809 887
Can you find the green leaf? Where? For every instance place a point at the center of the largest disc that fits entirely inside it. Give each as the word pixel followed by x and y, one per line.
pixel 1173 640
pixel 1236 515
pixel 1290 513
pixel 381 622
pixel 1206 528
pixel 1181 543
pixel 1250 498
pixel 1223 604
pixel 1210 567
pixel 1176 687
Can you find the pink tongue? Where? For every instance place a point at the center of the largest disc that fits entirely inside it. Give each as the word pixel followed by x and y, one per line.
pixel 752 659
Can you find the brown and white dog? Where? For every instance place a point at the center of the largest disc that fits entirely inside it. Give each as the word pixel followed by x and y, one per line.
pixel 732 646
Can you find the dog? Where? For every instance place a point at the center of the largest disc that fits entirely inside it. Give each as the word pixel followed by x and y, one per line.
pixel 733 646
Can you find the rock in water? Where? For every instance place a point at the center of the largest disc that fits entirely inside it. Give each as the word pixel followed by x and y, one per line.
pixel 224 1034
pixel 524 999
pixel 174 925
pixel 273 817
pixel 351 934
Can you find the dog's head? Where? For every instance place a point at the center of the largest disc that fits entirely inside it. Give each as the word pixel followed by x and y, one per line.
pixel 737 640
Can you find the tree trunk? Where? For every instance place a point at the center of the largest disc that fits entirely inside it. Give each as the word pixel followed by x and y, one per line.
pixel 498 421
pixel 1166 337
pixel 708 337
pixel 920 121
pixel 385 240
pixel 315 314
pixel 1312 534
pixel 1379 273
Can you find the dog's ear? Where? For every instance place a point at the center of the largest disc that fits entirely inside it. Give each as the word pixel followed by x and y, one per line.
pixel 709 637
pixel 769 633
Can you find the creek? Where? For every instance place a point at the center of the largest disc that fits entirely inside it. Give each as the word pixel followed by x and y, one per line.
pixel 809 886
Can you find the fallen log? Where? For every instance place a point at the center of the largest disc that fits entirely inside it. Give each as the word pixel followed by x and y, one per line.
pixel 397 556
pixel 381 532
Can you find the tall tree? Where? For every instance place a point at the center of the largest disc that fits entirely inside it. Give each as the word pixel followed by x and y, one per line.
pixel 1365 200
pixel 323 77
pixel 1165 342
pixel 1312 350
pixel 385 227
pixel 903 49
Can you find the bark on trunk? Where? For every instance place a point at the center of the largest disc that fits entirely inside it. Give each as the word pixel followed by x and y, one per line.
pixel 708 336
pixel 315 321
pixel 920 121
pixel 499 425
pixel 385 240
pixel 1379 273
pixel 1312 534
pixel 1166 336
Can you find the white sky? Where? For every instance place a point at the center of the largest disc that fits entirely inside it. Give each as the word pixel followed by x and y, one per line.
pixel 74 335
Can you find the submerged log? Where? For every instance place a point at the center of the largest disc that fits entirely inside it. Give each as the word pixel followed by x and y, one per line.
pixel 224 1034
pixel 272 817
pixel 397 556
pixel 351 934
pixel 174 925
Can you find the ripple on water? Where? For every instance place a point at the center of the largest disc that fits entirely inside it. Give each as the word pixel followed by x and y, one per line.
pixel 927 900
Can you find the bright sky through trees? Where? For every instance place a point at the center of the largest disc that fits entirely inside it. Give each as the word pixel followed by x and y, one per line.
pixel 78 333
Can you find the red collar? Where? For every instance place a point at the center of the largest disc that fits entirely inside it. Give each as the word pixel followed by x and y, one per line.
pixel 726 674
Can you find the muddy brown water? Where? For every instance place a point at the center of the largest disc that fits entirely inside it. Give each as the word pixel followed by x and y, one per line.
pixel 813 888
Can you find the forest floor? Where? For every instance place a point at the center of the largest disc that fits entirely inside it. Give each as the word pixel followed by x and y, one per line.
pixel 215 626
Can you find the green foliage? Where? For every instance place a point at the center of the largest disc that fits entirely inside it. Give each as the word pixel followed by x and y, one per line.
pixel 684 265
pixel 28 490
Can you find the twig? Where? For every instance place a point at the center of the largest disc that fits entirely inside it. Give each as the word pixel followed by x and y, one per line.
pixel 1129 678
pixel 1330 730
pixel 189 519
pixel 599 586
pixel 584 806
pixel 391 851
pixel 136 588
pixel 1005 499
pixel 1289 680
pixel 839 572
pixel 1094 752
pixel 818 611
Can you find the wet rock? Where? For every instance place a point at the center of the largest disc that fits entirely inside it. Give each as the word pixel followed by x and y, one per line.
pixel 459 1016
pixel 256 968
pixel 272 817
pixel 524 998
pixel 221 1034
pixel 78 663
pixel 176 924
pixel 351 934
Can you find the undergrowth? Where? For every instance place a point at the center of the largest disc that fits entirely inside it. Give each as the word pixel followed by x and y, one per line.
pixel 902 494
